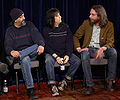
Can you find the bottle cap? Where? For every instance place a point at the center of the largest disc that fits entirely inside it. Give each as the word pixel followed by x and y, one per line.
pixel 5 80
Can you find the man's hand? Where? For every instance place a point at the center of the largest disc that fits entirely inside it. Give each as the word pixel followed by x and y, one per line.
pixel 80 50
pixel 40 50
pixel 65 59
pixel 15 53
pixel 100 53
pixel 59 60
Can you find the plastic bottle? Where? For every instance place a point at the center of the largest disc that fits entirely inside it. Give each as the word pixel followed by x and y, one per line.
pixel 5 87
pixel 62 67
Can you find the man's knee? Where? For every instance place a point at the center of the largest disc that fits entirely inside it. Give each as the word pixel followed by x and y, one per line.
pixel 85 55
pixel 112 52
pixel 75 59
pixel 49 59
pixel 78 61
pixel 26 59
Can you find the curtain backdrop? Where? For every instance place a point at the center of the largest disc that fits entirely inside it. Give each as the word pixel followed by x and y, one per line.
pixel 73 12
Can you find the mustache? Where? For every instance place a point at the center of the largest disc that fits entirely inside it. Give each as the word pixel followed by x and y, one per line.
pixel 23 20
pixel 21 23
pixel 94 21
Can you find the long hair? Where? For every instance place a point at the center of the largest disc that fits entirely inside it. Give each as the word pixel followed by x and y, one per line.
pixel 51 13
pixel 101 13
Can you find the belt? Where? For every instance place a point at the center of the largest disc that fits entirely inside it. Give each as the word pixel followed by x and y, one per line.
pixel 92 47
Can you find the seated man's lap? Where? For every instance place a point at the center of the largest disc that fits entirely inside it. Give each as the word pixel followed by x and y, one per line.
pixel 74 59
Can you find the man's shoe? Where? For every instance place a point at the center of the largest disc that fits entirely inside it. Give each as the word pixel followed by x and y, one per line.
pixel 31 93
pixel 109 85
pixel 62 85
pixel 54 90
pixel 89 91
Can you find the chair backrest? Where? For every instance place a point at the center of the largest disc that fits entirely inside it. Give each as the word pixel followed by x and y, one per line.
pixel 33 64
pixel 98 61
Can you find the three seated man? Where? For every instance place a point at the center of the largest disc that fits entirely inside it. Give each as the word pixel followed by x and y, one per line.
pixel 23 42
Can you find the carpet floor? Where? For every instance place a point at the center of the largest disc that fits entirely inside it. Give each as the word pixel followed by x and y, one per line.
pixel 68 94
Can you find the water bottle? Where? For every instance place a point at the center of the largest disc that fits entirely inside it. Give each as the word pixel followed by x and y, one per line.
pixel 62 67
pixel 5 87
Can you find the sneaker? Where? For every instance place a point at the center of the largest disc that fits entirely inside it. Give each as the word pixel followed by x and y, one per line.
pixel 62 85
pixel 54 90
pixel 31 93
pixel 89 91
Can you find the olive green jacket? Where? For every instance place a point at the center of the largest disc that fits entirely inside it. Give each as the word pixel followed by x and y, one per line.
pixel 106 35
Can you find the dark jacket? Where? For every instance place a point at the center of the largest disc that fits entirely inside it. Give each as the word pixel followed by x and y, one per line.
pixel 23 37
pixel 58 40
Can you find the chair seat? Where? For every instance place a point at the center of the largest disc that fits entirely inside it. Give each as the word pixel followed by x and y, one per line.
pixel 58 65
pixel 98 61
pixel 33 64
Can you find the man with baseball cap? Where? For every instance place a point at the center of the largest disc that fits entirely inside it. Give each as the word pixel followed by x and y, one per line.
pixel 24 42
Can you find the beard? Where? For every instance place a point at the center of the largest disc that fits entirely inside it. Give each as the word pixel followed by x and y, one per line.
pixel 94 21
pixel 21 23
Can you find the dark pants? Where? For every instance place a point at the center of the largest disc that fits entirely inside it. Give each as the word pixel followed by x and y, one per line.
pixel 50 61
pixel 110 54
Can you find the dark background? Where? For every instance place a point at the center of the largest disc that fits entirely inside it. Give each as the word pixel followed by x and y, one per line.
pixel 73 13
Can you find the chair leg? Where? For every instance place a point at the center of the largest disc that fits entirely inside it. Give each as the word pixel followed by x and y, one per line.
pixel 17 84
pixel 83 82
pixel 73 86
pixel 38 79
pixel 105 76
pixel 0 86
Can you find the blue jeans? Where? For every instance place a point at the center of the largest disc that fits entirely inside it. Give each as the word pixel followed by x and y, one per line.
pixel 110 54
pixel 26 56
pixel 50 61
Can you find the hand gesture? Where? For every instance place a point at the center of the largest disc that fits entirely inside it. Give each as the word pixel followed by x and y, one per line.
pixel 40 50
